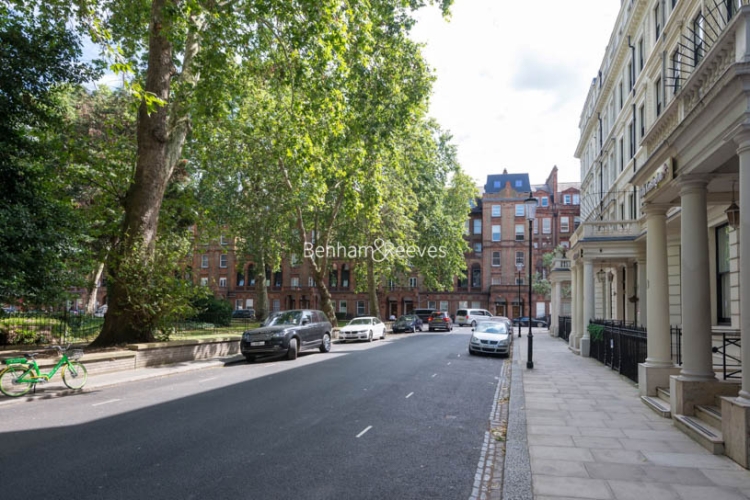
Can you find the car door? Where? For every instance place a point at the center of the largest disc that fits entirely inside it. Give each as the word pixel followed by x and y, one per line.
pixel 378 328
pixel 307 328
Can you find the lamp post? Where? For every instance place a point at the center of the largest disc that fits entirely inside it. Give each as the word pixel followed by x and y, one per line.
pixel 531 204
pixel 519 266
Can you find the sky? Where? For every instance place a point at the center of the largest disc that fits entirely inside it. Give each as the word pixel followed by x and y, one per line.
pixel 512 79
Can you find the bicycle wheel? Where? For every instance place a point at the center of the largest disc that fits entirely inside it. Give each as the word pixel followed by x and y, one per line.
pixel 9 381
pixel 74 375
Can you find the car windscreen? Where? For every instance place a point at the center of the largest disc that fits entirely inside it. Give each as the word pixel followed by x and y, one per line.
pixel 360 321
pixel 284 318
pixel 491 327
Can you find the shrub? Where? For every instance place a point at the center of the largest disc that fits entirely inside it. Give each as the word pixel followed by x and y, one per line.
pixel 213 310
pixel 596 331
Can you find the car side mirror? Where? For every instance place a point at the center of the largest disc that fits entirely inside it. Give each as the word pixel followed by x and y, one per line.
pixel 305 321
pixel 472 329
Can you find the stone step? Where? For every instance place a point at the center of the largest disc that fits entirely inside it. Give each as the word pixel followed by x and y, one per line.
pixel 658 405
pixel 663 394
pixel 703 433
pixel 709 414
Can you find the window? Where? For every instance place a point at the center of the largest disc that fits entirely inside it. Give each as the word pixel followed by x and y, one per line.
pixel 204 261
pixel 222 282
pixel 413 282
pixel 657 20
pixel 204 281
pixel 443 305
pixel 676 71
pixel 248 303
pixel 477 226
pixel 276 305
pixel 723 286
pixel 519 183
pixel 631 137
pixel 478 248
pixel 576 223
pixel 466 228
pixel 277 279
pixel 520 232
pixel 620 91
pixel 342 306
pixel 564 224
pixel 495 259
pixel 497 280
pixel 641 55
pixel 295 281
pixel 496 210
pixel 431 304
pixel 642 120
pixel 731 9
pixel 360 308
pixel 622 154
pixel 545 201
pixel 519 280
pixel 476 276
pixel 475 304
pixel 294 260
pixel 333 278
pixel 698 47
pixel 496 233
pixel 520 210
pixel 345 276
pixel 566 199
pixel 658 94
pixel 223 258
pixel 536 226
pixel 238 304
pixel 463 304
pixel 496 184
pixel 546 226
pixel 519 258
pixel 310 281
pixel 630 76
pixel 240 279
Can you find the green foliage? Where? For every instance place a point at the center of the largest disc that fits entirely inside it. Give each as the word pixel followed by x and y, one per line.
pixel 38 228
pixel 541 286
pixel 30 330
pixel 596 331
pixel 213 310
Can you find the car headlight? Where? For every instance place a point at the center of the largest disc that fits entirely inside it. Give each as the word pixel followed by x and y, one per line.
pixel 279 334
pixel 475 340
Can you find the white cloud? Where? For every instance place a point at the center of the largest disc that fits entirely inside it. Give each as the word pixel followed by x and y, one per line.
pixel 512 78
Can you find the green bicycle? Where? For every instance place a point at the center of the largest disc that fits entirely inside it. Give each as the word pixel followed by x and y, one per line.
pixel 22 375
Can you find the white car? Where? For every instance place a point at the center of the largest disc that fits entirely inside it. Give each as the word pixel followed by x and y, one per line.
pixel 490 337
pixel 99 313
pixel 366 328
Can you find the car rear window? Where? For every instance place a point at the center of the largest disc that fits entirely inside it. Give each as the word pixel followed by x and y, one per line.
pixel 461 312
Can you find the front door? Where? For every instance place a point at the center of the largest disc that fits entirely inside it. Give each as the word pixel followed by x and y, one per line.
pixel 516 311
pixel 392 309
pixel 499 309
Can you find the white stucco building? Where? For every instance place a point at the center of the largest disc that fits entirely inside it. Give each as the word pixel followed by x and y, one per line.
pixel 664 150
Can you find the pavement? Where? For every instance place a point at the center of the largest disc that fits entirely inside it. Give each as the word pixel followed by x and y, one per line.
pixel 576 430
pixel 584 433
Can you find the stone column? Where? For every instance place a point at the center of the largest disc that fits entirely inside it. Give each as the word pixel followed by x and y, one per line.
pixel 588 305
pixel 607 296
pixel 573 305
pixel 697 363
pixel 642 314
pixel 630 307
pixel 658 367
pixel 556 307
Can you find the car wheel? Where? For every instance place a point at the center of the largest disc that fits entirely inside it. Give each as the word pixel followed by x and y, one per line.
pixel 291 354
pixel 382 335
pixel 250 358
pixel 369 336
pixel 473 324
pixel 325 345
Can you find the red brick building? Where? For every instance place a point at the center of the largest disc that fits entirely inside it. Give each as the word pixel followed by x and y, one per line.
pixel 497 232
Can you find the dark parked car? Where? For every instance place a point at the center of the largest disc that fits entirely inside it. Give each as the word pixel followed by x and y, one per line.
pixel 524 320
pixel 287 333
pixel 440 320
pixel 244 313
pixel 424 314
pixel 407 323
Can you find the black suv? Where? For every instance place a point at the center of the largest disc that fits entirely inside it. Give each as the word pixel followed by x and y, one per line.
pixel 244 313
pixel 440 320
pixel 287 333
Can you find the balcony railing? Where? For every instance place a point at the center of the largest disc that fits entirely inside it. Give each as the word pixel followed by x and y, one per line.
pixel 611 229
pixel 730 352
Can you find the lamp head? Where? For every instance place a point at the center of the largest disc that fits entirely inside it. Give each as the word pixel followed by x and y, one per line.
pixel 531 204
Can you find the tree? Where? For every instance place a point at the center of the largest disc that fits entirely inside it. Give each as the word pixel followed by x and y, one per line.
pixel 39 234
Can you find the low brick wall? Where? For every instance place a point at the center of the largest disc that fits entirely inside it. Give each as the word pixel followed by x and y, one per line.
pixel 166 353
pixel 98 362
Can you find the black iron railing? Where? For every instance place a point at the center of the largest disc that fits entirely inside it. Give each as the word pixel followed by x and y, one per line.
pixel 675 333
pixel 621 345
pixel 730 350
pixel 563 327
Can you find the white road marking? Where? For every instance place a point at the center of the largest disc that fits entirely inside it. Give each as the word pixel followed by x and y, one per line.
pixel 106 402
pixel 207 379
pixel 449 362
pixel 362 433
pixel 269 366
pixel 434 375
pixel 409 395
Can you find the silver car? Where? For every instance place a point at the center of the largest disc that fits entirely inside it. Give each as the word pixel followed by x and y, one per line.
pixel 490 337
pixel 472 316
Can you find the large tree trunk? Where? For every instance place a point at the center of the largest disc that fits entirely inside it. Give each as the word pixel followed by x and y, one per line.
pixel 326 302
pixel 372 290
pixel 144 197
pixel 93 289
pixel 261 291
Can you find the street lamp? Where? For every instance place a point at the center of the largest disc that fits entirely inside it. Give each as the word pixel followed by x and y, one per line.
pixel 531 204
pixel 519 266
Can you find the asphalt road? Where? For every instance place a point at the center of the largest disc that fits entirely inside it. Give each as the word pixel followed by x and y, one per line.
pixel 394 419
